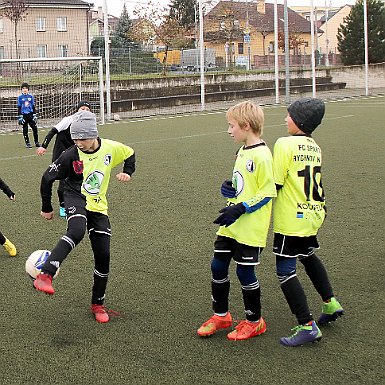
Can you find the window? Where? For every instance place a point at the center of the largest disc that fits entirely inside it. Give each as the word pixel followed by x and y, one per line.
pixel 63 50
pixel 240 48
pixel 41 50
pixel 61 24
pixel 1 25
pixel 2 52
pixel 236 24
pixel 40 24
pixel 271 47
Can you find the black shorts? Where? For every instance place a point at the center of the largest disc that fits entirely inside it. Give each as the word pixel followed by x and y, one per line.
pixel 291 246
pixel 227 248
pixel 75 207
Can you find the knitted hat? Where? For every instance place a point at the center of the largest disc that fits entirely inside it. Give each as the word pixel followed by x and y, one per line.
pixel 84 126
pixel 307 113
pixel 83 103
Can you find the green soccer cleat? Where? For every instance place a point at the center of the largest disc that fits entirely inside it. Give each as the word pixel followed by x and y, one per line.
pixel 330 312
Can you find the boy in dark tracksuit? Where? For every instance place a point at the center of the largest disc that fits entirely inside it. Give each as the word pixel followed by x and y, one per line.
pixel 62 142
pixel 85 169
pixel 27 115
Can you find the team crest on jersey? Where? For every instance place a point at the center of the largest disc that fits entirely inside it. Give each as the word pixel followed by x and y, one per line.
pixel 78 166
pixel 238 182
pixel 93 182
pixel 250 166
pixel 107 159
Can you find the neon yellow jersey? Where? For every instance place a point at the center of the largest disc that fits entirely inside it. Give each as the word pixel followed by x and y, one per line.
pixel 97 170
pixel 253 181
pixel 299 209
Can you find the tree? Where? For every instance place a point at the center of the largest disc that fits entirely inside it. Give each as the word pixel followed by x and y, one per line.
pixel 157 25
pixel 224 26
pixel 121 36
pixel 185 12
pixel 15 11
pixel 351 34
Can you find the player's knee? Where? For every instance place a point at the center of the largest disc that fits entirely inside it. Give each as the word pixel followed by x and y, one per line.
pixel 286 268
pixel 219 268
pixel 246 274
pixel 76 229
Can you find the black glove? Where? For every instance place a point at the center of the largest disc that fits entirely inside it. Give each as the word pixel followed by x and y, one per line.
pixel 34 118
pixel 230 214
pixel 21 120
pixel 227 189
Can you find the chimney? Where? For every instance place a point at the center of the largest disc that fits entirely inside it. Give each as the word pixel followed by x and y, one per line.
pixel 100 13
pixel 261 6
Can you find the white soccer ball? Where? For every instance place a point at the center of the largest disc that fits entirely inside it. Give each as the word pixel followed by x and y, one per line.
pixel 35 262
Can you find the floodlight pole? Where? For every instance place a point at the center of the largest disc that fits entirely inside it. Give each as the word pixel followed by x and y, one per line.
pixel 287 52
pixel 107 58
pixel 276 64
pixel 312 48
pixel 365 5
pixel 326 34
pixel 202 55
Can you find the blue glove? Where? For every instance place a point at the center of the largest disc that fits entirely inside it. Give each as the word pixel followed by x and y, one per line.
pixel 34 118
pixel 227 189
pixel 21 119
pixel 230 214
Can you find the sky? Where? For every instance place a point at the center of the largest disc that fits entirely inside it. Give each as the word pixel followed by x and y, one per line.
pixel 114 7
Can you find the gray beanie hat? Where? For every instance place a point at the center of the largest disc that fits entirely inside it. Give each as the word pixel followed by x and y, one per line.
pixel 307 113
pixel 84 126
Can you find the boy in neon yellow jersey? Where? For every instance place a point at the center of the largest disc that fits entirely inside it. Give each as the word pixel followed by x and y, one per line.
pixel 85 169
pixel 299 211
pixel 244 224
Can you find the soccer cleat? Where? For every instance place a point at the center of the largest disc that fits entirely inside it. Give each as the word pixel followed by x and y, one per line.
pixel 37 144
pixel 10 248
pixel 100 313
pixel 330 312
pixel 43 282
pixel 247 329
pixel 28 145
pixel 215 323
pixel 303 334
pixel 62 212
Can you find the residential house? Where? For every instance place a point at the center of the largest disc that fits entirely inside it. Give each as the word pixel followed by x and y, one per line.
pixel 328 20
pixel 96 24
pixel 242 33
pixel 46 29
pixel 327 41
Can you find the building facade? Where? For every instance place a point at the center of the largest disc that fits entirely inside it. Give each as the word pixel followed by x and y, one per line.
pixel 45 29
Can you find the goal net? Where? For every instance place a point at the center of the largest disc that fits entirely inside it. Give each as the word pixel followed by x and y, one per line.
pixel 57 85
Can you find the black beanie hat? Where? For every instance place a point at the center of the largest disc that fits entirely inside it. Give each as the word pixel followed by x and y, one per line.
pixel 83 103
pixel 307 113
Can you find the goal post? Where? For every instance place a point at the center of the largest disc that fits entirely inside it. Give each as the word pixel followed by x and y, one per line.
pixel 57 85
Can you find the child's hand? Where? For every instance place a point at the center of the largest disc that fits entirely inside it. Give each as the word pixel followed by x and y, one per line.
pixel 47 216
pixel 227 189
pixel 230 214
pixel 123 177
pixel 40 151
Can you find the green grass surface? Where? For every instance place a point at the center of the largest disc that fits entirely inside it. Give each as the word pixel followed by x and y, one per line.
pixel 160 272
